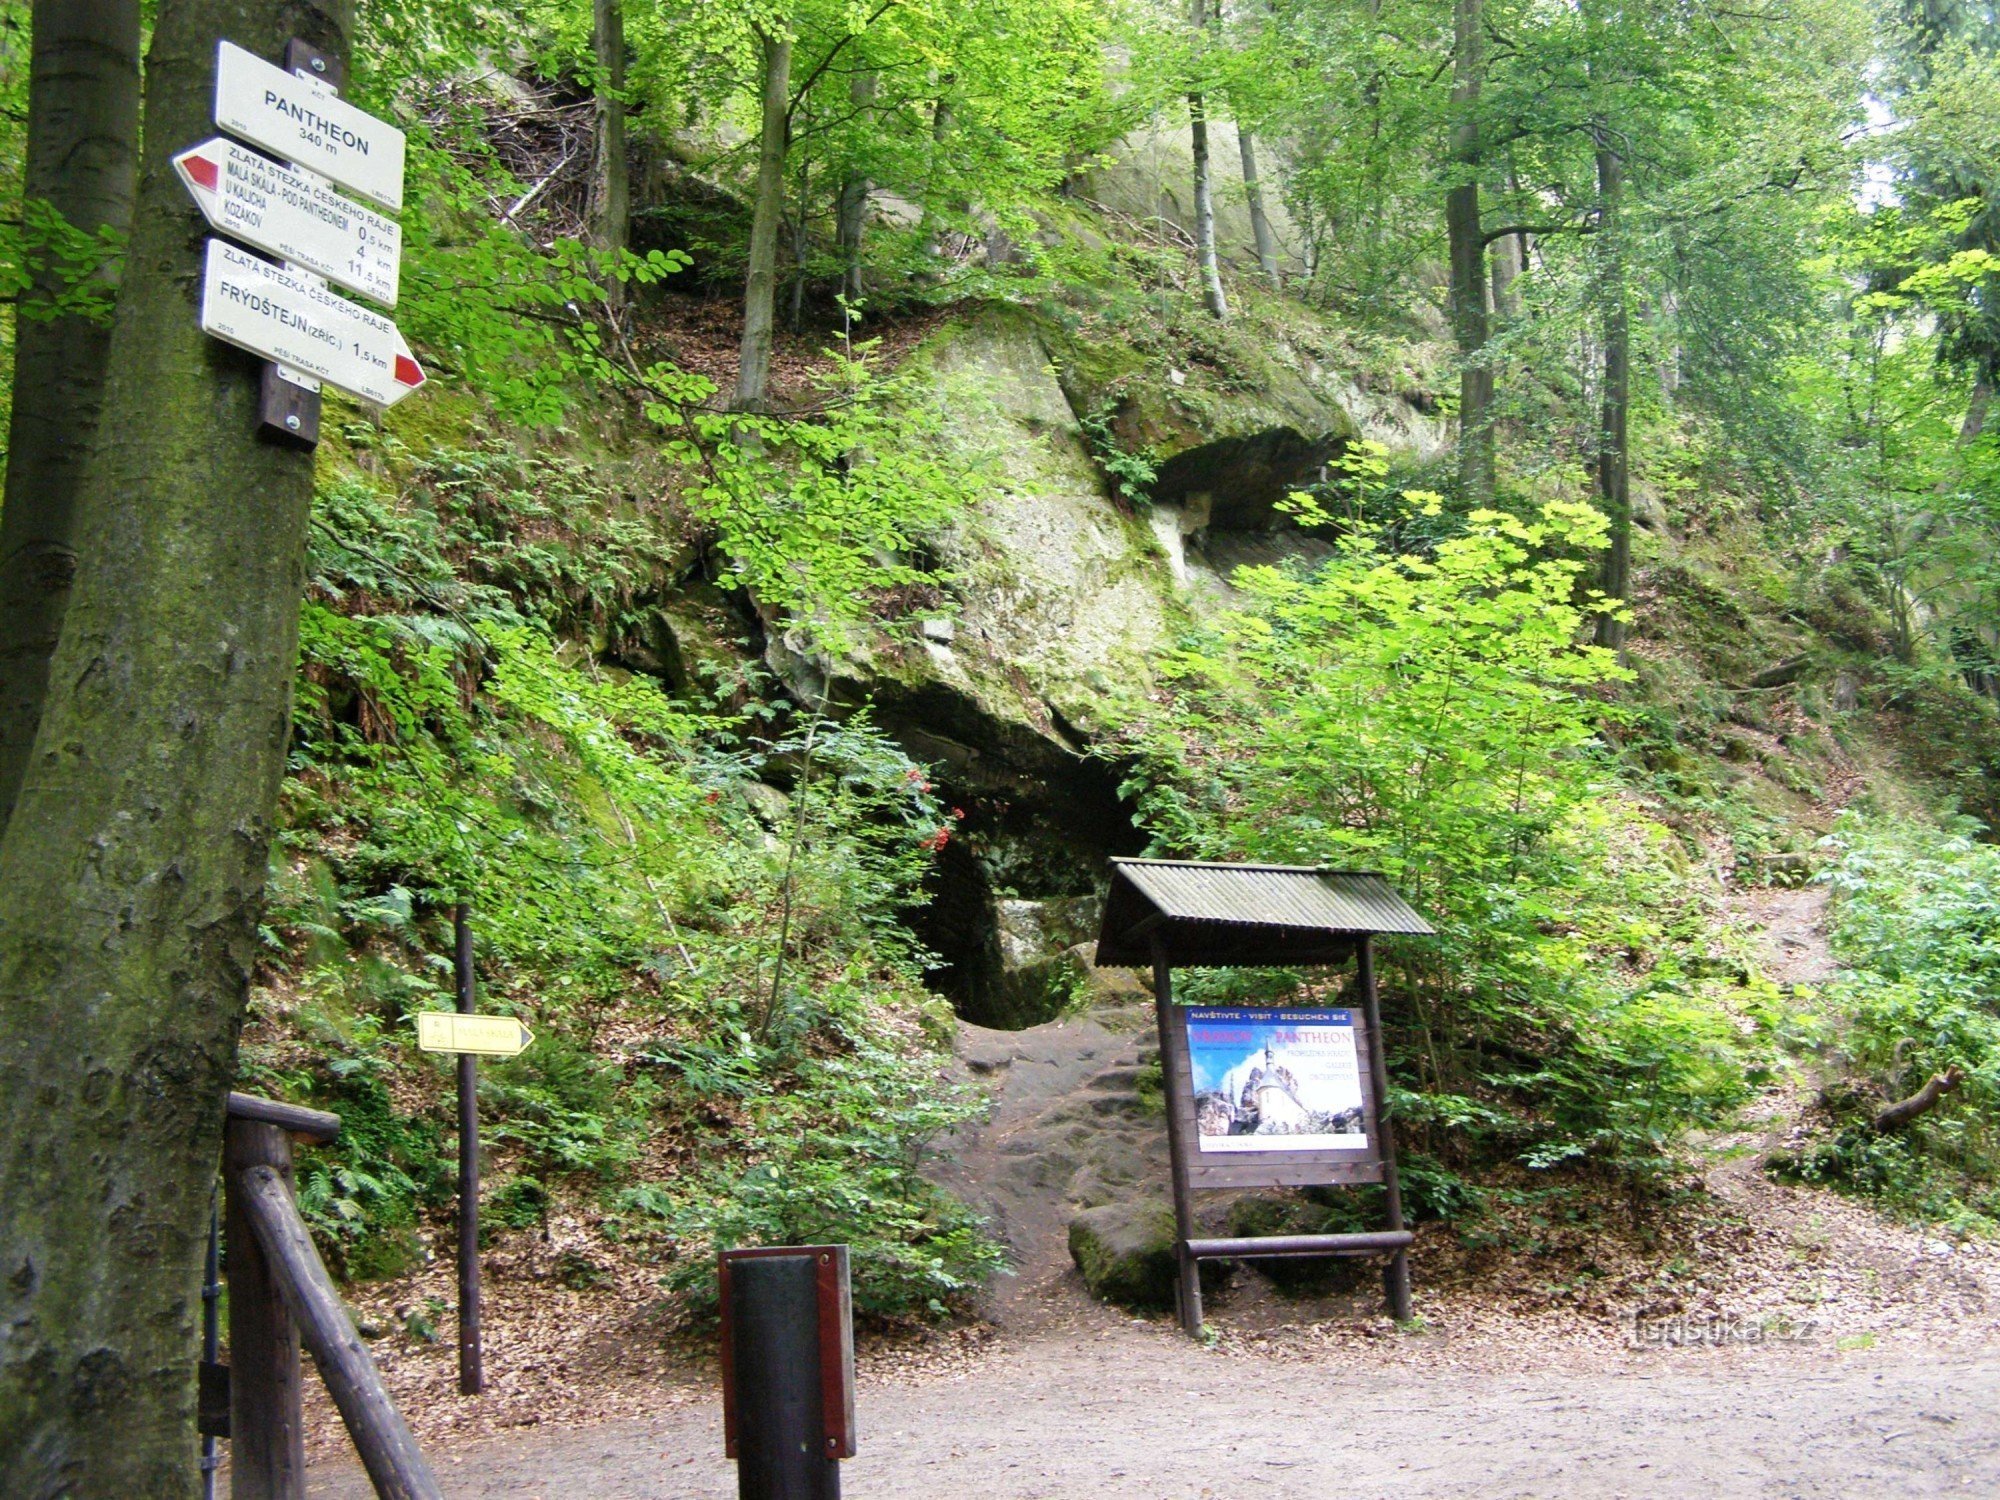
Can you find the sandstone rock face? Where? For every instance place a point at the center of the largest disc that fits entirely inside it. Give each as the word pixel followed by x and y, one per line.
pixel 1063 593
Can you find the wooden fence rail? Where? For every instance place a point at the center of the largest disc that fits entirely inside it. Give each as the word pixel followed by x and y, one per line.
pixel 278 1290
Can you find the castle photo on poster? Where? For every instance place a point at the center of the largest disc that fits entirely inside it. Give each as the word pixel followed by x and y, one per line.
pixel 1276 1080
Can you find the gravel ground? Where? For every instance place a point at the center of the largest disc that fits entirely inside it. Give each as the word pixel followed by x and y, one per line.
pixel 1138 1411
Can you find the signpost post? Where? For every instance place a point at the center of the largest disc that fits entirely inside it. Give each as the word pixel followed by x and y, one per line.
pixel 471 1372
pixel 471 1037
pixel 291 208
pixel 787 1369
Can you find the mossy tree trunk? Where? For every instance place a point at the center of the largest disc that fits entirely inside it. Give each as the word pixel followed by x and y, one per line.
pixel 1468 258
pixel 82 159
pixel 760 290
pixel 611 187
pixel 132 872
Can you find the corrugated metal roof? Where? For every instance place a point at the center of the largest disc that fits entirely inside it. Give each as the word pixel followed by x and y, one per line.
pixel 1296 896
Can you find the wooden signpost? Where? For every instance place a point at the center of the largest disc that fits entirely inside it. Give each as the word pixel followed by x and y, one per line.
pixel 1267 1095
pixel 471 1037
pixel 291 207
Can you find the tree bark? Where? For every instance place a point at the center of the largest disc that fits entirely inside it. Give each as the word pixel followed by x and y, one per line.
pixel 1976 408
pixel 1213 296
pixel 760 291
pixel 1613 460
pixel 851 215
pixel 82 158
pixel 132 872
pixel 611 187
pixel 1260 223
pixel 1506 269
pixel 1468 259
pixel 1925 1099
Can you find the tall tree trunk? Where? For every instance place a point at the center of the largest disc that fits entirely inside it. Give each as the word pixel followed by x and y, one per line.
pixel 1975 411
pixel 611 189
pixel 1468 259
pixel 1510 257
pixel 760 291
pixel 132 873
pixel 1613 464
pixel 801 243
pixel 1213 296
pixel 1506 269
pixel 82 159
pixel 1260 223
pixel 851 215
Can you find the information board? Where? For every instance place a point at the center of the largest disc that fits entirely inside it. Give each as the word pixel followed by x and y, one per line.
pixel 1276 1080
pixel 1273 1096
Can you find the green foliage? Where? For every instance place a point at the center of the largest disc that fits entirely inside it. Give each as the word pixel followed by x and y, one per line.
pixel 1917 925
pixel 1132 471
pixel 821 518
pixel 626 881
pixel 835 1163
pixel 1429 715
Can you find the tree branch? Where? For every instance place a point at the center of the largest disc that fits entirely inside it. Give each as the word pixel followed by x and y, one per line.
pixel 1488 236
pixel 1897 1115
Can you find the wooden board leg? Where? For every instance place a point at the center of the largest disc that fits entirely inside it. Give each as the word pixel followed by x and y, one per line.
pixel 1396 1285
pixel 1190 1298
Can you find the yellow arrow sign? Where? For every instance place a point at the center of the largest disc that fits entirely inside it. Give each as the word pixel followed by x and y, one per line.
pixel 488 1036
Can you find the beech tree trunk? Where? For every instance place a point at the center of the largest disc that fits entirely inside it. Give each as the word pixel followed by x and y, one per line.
pixel 611 187
pixel 851 214
pixel 1260 223
pixel 760 291
pixel 1506 269
pixel 1213 296
pixel 1613 465
pixel 82 158
pixel 1468 259
pixel 132 872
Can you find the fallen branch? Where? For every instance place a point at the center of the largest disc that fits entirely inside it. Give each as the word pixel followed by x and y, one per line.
pixel 1896 1116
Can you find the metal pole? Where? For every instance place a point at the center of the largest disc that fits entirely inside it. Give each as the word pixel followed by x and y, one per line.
pixel 782 1449
pixel 471 1377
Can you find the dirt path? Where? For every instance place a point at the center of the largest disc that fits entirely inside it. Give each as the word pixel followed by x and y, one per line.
pixel 1141 1412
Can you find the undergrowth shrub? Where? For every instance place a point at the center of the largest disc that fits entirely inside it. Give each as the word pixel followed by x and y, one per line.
pixel 693 905
pixel 1917 925
pixel 1433 714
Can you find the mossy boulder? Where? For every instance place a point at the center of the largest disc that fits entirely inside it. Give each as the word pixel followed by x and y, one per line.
pixel 1125 1252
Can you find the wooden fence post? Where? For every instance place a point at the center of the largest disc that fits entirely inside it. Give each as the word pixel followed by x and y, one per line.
pixel 267 1454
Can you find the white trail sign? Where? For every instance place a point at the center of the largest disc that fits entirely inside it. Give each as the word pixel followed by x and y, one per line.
pixel 303 121
pixel 272 207
pixel 290 316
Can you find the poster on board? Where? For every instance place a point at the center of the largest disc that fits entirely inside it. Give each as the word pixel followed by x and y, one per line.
pixel 1276 1080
